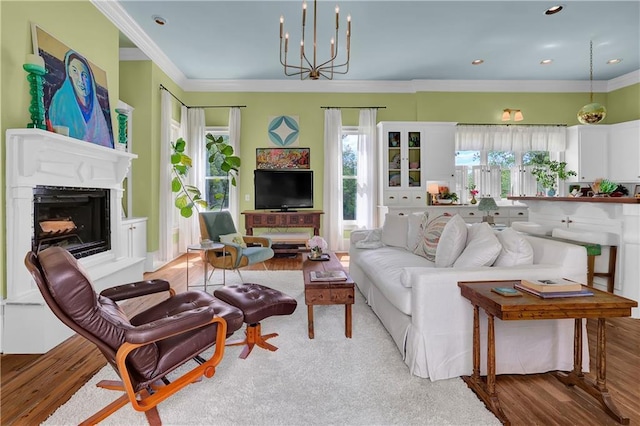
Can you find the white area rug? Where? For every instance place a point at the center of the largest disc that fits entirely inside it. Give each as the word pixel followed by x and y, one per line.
pixel 327 380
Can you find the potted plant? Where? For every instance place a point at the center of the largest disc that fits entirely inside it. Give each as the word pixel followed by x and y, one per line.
pixel 548 173
pixel 188 196
pixel 448 197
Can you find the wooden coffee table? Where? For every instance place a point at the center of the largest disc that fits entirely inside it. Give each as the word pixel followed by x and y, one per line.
pixel 327 292
pixel 601 305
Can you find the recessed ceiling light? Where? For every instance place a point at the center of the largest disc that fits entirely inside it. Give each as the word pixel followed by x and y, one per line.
pixel 477 61
pixel 553 10
pixel 159 20
pixel 614 61
pixel 546 61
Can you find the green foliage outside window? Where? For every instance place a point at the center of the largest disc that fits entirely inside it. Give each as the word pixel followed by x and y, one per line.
pixel 349 182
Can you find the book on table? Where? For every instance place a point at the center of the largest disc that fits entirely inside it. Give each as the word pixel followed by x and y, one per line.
pixel 555 294
pixel 551 285
pixel 328 275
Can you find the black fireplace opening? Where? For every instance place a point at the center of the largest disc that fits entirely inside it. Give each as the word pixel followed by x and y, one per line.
pixel 77 219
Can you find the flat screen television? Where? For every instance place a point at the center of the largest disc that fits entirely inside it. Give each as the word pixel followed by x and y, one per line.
pixel 283 190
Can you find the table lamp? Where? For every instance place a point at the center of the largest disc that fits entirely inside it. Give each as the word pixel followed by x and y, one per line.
pixel 487 205
pixel 432 191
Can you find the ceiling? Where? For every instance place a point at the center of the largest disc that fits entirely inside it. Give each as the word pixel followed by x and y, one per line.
pixel 391 40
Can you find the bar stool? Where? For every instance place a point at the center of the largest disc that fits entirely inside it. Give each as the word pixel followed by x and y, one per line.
pixel 593 242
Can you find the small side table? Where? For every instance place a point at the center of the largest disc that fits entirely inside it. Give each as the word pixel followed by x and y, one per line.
pixel 205 249
pixel 601 305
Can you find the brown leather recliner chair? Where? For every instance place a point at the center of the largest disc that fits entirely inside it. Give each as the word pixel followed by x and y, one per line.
pixel 145 348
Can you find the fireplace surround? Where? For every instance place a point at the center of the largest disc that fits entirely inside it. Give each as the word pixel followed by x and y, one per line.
pixel 35 159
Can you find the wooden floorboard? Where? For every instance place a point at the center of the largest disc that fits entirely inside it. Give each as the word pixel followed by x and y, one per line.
pixel 33 386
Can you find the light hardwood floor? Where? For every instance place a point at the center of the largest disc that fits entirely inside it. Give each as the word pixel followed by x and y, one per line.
pixel 33 386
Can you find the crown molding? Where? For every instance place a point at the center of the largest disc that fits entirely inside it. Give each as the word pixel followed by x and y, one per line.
pixel 123 21
pixel 308 86
pixel 624 81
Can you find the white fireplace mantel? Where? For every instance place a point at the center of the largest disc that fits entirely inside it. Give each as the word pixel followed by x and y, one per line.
pixel 38 157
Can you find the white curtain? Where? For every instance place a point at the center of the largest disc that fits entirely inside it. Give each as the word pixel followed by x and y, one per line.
pixel 367 179
pixel 165 223
pixel 193 128
pixel 332 191
pixel 510 138
pixel 234 141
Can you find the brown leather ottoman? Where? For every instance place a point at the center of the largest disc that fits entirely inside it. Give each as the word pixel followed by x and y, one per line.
pixel 257 302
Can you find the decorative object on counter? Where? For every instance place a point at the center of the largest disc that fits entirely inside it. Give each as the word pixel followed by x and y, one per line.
pixel 574 191
pixel 548 173
pixel 636 193
pixel 473 191
pixel 593 112
pixel 446 197
pixel 620 191
pixel 432 194
pixel 487 204
pixel 317 245
pixel 34 66
pixel 603 187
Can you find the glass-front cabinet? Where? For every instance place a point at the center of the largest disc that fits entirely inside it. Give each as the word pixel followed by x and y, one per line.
pixel 411 154
pixel 401 163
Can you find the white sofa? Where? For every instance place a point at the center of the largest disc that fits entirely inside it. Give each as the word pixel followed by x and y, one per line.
pixel 431 323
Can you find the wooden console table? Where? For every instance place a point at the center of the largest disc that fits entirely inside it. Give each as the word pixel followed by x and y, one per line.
pixel 601 305
pixel 269 219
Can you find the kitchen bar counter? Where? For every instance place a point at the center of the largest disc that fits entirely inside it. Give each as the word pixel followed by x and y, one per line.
pixel 608 200
pixel 616 217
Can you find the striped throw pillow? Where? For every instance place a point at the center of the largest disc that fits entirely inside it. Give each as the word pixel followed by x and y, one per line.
pixel 429 236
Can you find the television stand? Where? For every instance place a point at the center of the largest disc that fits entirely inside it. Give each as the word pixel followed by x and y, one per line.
pixel 289 219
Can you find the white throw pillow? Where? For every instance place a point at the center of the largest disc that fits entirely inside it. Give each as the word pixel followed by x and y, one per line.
pixel 516 250
pixel 415 219
pixel 430 236
pixel 482 247
pixel 371 241
pixel 452 242
pixel 394 230
pixel 235 238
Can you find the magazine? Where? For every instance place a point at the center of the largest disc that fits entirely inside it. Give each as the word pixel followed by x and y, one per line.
pixel 327 276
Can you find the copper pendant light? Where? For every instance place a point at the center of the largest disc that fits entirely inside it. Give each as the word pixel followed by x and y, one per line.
pixel 593 112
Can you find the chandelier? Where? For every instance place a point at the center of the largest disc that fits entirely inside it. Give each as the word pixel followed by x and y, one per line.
pixel 313 69
pixel 593 112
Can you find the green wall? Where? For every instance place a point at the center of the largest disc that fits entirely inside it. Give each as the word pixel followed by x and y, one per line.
pixel 77 24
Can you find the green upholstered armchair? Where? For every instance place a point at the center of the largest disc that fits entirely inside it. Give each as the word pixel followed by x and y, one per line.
pixel 234 255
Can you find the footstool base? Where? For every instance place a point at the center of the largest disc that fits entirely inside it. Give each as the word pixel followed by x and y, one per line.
pixel 257 302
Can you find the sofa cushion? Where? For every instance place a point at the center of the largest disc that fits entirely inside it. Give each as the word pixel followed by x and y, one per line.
pixel 413 233
pixel 482 247
pixel 384 268
pixel 394 230
pixel 429 236
pixel 452 242
pixel 372 239
pixel 516 250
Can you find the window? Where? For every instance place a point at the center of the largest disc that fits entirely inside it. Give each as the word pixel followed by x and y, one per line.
pixel 349 174
pixel 497 173
pixel 216 181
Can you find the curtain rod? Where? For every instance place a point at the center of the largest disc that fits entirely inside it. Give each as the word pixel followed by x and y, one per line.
pixel 514 125
pixel 200 106
pixel 353 107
